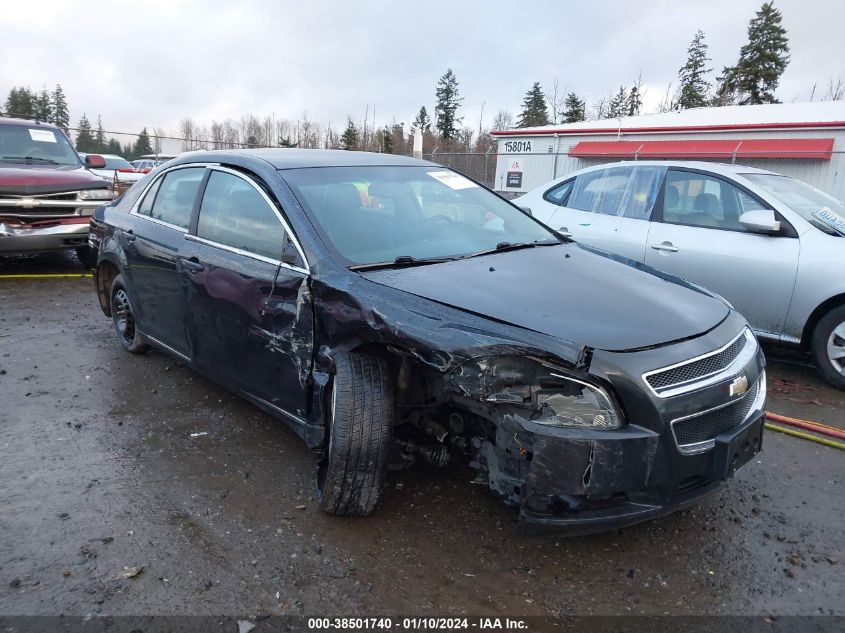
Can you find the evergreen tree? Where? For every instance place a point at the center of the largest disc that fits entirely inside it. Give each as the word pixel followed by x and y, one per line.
pixel 100 137
pixel 84 139
pixel 693 85
pixel 634 101
pixel 113 147
pixel 142 144
pixel 534 109
pixel 61 115
pixel 617 106
pixel 349 139
pixel 446 110
pixel 42 106
pixel 386 140
pixel 129 151
pixel 422 122
pixel 20 103
pixel 574 109
pixel 762 60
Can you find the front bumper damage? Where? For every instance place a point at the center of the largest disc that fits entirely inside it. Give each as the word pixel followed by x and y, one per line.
pixel 580 481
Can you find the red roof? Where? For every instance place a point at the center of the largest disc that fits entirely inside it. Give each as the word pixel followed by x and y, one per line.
pixel 816 148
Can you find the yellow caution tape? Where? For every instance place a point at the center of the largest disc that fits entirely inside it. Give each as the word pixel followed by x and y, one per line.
pixel 49 276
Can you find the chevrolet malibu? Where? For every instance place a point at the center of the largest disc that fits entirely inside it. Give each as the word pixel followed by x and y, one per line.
pixel 392 311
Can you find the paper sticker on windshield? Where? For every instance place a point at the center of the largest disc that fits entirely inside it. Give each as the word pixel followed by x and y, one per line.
pixel 831 219
pixel 452 180
pixel 44 136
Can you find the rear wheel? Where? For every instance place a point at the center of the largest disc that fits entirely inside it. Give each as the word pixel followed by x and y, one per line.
pixel 828 346
pixel 123 318
pixel 351 476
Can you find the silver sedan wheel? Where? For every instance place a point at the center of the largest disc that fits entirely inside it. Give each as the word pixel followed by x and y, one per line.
pixel 836 348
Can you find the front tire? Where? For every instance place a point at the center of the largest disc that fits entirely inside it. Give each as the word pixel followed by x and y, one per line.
pixel 123 318
pixel 828 347
pixel 351 476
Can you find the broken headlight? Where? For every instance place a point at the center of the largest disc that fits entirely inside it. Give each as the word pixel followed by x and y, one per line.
pixel 550 395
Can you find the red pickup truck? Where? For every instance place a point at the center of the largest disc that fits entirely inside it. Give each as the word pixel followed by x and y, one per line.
pixel 47 194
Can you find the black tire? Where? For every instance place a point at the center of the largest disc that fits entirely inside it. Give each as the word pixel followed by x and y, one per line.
pixel 87 256
pixel 830 331
pixel 124 318
pixel 359 419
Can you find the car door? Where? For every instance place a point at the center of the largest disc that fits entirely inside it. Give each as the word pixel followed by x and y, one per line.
pixel 697 235
pixel 155 233
pixel 608 208
pixel 246 281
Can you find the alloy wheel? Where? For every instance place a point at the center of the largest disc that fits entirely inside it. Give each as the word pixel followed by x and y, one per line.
pixel 836 348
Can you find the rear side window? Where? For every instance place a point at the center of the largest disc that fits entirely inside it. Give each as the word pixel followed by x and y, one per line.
pixel 560 193
pixel 234 213
pixel 175 197
pixel 628 192
pixel 146 207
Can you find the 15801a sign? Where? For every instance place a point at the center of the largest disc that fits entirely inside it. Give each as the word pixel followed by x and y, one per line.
pixel 513 147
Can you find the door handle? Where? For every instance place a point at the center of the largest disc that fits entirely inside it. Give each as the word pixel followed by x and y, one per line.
pixel 129 235
pixel 564 231
pixel 665 246
pixel 192 264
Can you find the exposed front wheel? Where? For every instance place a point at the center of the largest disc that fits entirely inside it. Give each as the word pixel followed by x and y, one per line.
pixel 828 346
pixel 123 318
pixel 351 476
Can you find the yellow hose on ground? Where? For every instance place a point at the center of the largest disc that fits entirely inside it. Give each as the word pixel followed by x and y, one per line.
pixel 806 436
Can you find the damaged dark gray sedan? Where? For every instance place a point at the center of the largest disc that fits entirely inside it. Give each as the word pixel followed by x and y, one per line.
pixel 391 310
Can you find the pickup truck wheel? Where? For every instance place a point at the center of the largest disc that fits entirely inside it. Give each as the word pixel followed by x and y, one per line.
pixel 828 347
pixel 87 256
pixel 351 476
pixel 124 319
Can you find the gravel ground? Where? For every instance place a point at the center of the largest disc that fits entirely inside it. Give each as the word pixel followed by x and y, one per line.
pixel 131 485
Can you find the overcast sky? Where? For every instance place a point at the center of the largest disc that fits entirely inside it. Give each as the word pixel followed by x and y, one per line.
pixel 150 63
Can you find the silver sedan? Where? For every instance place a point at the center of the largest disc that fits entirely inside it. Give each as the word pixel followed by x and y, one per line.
pixel 773 246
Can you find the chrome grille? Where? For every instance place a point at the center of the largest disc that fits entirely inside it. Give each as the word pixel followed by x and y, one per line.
pixel 698 432
pixel 708 369
pixel 42 212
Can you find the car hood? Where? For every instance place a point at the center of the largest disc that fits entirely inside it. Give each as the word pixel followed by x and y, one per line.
pixel 29 180
pixel 570 292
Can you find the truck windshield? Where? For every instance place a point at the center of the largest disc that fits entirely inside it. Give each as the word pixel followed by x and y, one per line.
pixel 410 214
pixel 824 212
pixel 35 144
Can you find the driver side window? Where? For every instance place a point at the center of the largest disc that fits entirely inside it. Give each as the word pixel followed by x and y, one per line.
pixel 695 199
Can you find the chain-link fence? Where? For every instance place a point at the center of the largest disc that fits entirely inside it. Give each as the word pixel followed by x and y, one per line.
pixel 514 174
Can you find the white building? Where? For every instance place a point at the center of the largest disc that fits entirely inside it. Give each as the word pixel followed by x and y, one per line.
pixel 803 140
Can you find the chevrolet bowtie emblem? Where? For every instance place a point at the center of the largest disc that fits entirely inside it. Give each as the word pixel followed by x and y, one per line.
pixel 739 386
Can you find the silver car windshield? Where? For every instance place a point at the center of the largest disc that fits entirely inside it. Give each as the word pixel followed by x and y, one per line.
pixel 824 212
pixel 388 214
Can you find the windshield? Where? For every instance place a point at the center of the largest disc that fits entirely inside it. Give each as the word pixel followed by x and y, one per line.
pixel 824 212
pixel 384 214
pixel 35 145
pixel 116 162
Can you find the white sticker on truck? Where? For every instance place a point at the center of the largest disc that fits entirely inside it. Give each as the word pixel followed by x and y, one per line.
pixel 453 180
pixel 44 136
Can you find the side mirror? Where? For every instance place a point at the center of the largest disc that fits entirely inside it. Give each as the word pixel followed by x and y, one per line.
pixel 527 210
pixel 94 161
pixel 760 221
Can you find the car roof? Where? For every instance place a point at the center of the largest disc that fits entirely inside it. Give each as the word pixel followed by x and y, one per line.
pixel 718 168
pixel 26 122
pixel 294 158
